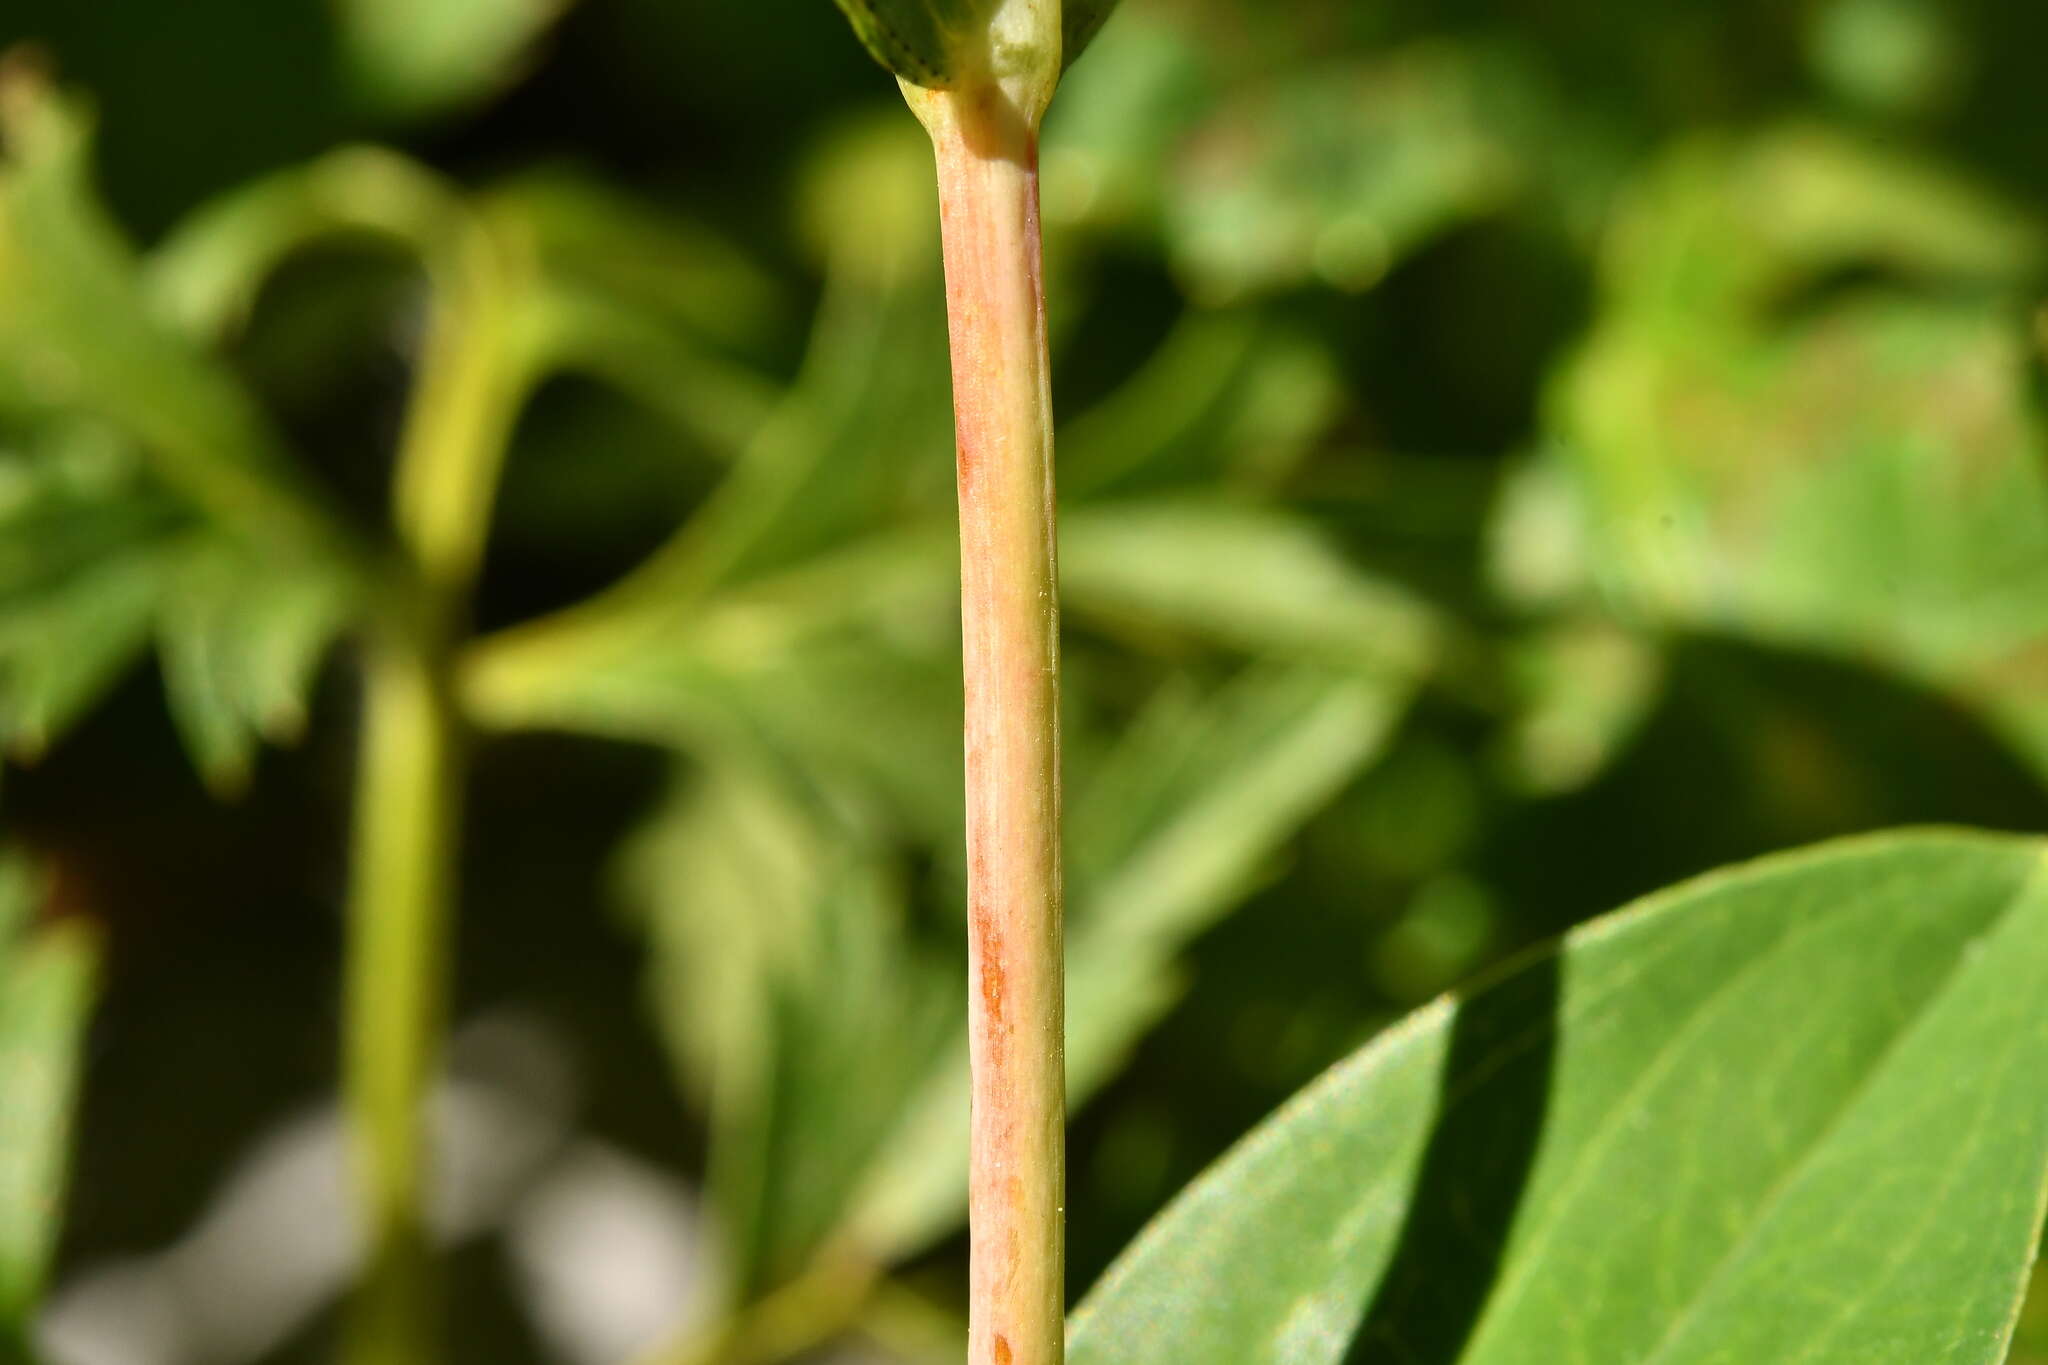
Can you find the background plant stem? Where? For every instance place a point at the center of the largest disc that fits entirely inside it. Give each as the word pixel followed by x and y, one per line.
pixel 987 154
pixel 408 818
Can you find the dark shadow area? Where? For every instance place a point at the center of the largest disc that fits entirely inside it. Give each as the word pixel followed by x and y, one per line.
pixel 1495 1095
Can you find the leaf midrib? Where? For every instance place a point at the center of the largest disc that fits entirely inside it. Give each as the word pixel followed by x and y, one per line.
pixel 1781 1188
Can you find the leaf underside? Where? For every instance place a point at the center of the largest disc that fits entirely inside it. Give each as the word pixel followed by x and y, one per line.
pixel 1788 1113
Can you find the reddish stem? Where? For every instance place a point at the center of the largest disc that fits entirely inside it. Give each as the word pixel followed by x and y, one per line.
pixel 987 153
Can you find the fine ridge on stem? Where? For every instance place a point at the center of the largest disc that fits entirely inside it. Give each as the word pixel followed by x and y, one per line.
pixel 986 147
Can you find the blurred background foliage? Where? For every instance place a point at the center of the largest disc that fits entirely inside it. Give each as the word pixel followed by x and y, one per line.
pixel 1512 457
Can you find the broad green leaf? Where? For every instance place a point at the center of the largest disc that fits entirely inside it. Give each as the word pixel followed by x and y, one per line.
pixel 1861 470
pixel 1788 1112
pixel 411 58
pixel 1167 837
pixel 45 990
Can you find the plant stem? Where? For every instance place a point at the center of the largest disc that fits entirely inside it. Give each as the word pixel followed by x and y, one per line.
pixel 474 372
pixel 403 881
pixel 987 154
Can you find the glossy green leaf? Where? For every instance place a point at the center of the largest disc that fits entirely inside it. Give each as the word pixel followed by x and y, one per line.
pixel 1788 1112
pixel 46 976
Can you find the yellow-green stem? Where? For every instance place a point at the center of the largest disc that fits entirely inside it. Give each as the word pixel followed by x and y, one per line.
pixel 987 153
pixel 407 796
pixel 474 371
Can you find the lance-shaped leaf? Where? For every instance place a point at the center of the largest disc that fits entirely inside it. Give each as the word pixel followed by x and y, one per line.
pixel 1789 1113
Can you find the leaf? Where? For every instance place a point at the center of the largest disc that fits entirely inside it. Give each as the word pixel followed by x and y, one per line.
pixel 241 641
pixel 1165 839
pixel 1334 175
pixel 77 336
pixel 1080 21
pixel 1785 1112
pixel 1228 396
pixel 1746 446
pixel 794 994
pixel 46 982
pixel 207 274
pixel 1248 576
pixel 413 58
pixel 84 551
pixel 914 38
pixel 93 558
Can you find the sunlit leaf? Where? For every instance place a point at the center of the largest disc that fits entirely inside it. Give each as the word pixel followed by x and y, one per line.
pixel 1746 446
pixel 1781 1113
pixel 1332 176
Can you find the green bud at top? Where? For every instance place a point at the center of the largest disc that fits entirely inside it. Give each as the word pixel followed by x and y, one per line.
pixel 938 44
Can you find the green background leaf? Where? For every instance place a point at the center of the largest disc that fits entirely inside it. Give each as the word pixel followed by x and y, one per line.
pixel 1768 1115
pixel 45 989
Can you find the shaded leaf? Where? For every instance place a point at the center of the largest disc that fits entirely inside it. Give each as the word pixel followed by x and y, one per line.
pixel 85 549
pixel 77 335
pixel 1226 396
pixel 1775 1114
